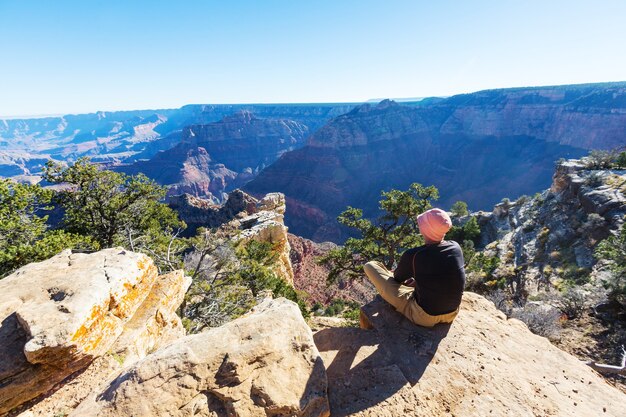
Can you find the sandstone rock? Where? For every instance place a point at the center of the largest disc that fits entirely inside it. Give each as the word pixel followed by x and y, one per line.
pixel 481 365
pixel 272 202
pixel 58 315
pixel 263 364
pixel 154 325
pixel 268 226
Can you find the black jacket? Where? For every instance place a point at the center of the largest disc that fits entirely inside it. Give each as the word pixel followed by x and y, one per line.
pixel 439 275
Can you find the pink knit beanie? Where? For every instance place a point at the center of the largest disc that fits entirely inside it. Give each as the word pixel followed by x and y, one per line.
pixel 434 224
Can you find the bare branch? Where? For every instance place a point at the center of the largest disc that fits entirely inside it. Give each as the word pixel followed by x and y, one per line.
pixel 610 369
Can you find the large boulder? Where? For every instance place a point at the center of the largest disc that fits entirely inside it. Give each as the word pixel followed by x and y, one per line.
pixel 57 316
pixel 264 364
pixel 482 365
pixel 154 325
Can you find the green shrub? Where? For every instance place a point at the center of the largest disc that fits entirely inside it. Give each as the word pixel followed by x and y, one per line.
pixel 620 161
pixel 574 275
pixel 227 278
pixel 459 209
pixel 571 302
pixel 600 159
pixel 24 234
pixel 114 209
pixel 593 180
pixel 470 231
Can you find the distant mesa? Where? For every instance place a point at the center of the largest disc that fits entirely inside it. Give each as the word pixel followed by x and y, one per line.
pixel 215 158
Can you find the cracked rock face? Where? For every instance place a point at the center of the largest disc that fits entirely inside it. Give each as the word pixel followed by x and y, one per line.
pixel 264 364
pixel 56 316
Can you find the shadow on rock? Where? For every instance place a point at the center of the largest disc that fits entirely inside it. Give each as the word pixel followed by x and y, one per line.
pixel 366 367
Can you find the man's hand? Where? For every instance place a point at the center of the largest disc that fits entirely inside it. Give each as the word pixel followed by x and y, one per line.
pixel 409 283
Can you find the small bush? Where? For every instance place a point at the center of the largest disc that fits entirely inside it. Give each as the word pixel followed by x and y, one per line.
pixel 352 314
pixel 335 307
pixel 470 231
pixel 317 309
pixel 540 320
pixel 575 275
pixel 342 307
pixel 600 159
pixel 543 235
pixel 522 199
pixel 594 180
pixel 479 269
pixel 459 209
pixel 571 303
pixel 613 250
pixel 620 161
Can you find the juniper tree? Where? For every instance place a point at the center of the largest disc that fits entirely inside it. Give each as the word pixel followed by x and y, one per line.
pixel 117 209
pixel 384 238
pixel 24 235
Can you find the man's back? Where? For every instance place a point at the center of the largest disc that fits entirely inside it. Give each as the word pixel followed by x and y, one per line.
pixel 439 275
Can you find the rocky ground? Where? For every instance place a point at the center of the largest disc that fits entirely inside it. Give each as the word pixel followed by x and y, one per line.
pixel 482 365
pixel 270 362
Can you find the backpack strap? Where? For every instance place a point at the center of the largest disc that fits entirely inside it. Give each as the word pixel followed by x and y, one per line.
pixel 416 294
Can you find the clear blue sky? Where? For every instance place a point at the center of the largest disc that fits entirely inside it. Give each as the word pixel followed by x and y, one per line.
pixel 82 56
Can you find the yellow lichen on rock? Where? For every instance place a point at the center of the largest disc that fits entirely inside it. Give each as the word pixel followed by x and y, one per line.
pixel 59 314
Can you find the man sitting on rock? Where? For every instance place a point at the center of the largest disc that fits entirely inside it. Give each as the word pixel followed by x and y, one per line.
pixel 434 269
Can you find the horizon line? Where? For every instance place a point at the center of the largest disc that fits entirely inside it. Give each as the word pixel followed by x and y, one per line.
pixel 260 103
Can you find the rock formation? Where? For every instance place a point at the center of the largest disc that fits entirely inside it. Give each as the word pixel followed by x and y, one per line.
pixel 475 147
pixel 558 227
pixel 481 365
pixel 263 364
pixel 59 315
pixel 267 224
pixel 197 212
